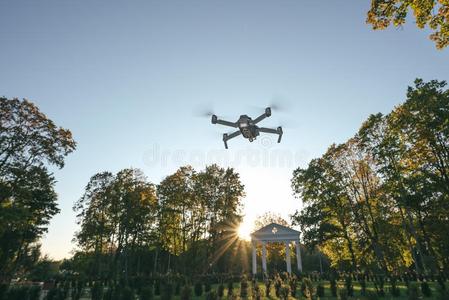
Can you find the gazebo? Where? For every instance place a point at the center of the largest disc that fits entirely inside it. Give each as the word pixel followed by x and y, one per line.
pixel 276 233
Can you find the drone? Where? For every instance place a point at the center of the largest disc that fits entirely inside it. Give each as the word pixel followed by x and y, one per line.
pixel 247 127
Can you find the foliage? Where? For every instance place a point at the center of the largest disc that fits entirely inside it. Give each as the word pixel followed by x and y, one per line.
pixel 198 289
pixel 377 202
pixel 320 289
pixel 167 291
pixel 268 284
pixel 413 292
pixel 211 295
pixel 146 293
pixel 96 291
pixel 244 287
pixel 34 293
pixel 186 292
pixel 29 143
pixel 284 291
pixel 425 289
pixel 127 293
pixel 220 290
pixel 433 14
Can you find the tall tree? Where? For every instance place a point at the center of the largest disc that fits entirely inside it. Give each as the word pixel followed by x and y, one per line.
pixel 29 142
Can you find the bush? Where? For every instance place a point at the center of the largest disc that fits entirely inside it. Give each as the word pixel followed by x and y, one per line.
pixel 146 293
pixel 167 291
pixel 220 290
pixel 343 294
pixel 349 286
pixel 320 290
pixel 244 287
pixel 370 295
pixel 307 288
pixel 268 284
pixel 394 290
pixel 186 292
pixel 256 292
pixel 96 292
pixel 413 292
pixel 362 286
pixel 333 284
pixel 35 293
pixel 425 289
pixel 442 294
pixel 127 293
pixel 198 289
pixel 207 286
pixel 293 284
pixel 230 288
pixel 157 288
pixel 212 295
pixel 284 292
pixel 277 286
pixel 18 293
pixel 3 291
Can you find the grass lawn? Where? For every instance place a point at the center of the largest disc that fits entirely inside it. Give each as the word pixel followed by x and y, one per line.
pixel 327 290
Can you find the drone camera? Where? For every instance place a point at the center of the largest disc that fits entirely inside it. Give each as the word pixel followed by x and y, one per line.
pixel 268 111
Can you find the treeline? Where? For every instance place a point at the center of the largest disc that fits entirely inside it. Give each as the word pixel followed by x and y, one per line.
pixel 188 223
pixel 380 201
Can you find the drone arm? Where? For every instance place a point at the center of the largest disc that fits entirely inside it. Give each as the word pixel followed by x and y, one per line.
pixel 215 120
pixel 277 131
pixel 263 116
pixel 227 137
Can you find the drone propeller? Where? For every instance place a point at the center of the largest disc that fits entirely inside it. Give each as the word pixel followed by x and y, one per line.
pixel 277 104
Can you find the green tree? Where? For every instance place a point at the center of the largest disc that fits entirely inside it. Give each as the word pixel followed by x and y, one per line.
pixel 29 142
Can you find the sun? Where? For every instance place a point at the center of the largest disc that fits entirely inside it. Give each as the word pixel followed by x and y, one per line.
pixel 244 231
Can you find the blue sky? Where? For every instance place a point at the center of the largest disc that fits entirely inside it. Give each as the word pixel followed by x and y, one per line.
pixel 127 76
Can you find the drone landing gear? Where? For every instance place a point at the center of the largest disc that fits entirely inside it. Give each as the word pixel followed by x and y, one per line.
pixel 227 137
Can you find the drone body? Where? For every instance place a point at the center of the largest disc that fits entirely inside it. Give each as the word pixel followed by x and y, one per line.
pixel 247 127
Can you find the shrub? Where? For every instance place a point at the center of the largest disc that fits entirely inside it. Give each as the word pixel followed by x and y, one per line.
pixel 157 288
pixel 198 289
pixel 167 291
pixel 220 290
pixel 333 284
pixel 230 287
pixel 442 294
pixel 146 293
pixel 256 291
pixel 425 289
pixel 277 286
pixel 293 284
pixel 268 284
pixel 3 291
pixel 370 295
pixel 413 292
pixel 207 286
pixel 96 292
pixel 127 293
pixel 284 292
pixel 320 290
pixel 212 295
pixel 349 286
pixel 244 287
pixel 394 290
pixel 34 292
pixel 362 282
pixel 343 294
pixel 186 292
pixel 18 293
pixel 307 288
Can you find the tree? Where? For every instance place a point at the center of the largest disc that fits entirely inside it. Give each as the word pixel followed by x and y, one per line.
pixel 434 14
pixel 29 142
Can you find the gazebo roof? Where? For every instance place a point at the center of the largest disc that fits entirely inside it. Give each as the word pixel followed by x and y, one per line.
pixel 275 232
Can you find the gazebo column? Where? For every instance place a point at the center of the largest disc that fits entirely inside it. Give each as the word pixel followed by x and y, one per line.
pixel 287 257
pixel 264 257
pixel 254 258
pixel 298 256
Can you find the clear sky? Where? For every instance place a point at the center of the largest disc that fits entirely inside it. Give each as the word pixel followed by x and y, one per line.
pixel 127 76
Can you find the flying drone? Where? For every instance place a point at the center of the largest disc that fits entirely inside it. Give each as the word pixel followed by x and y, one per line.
pixel 247 127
